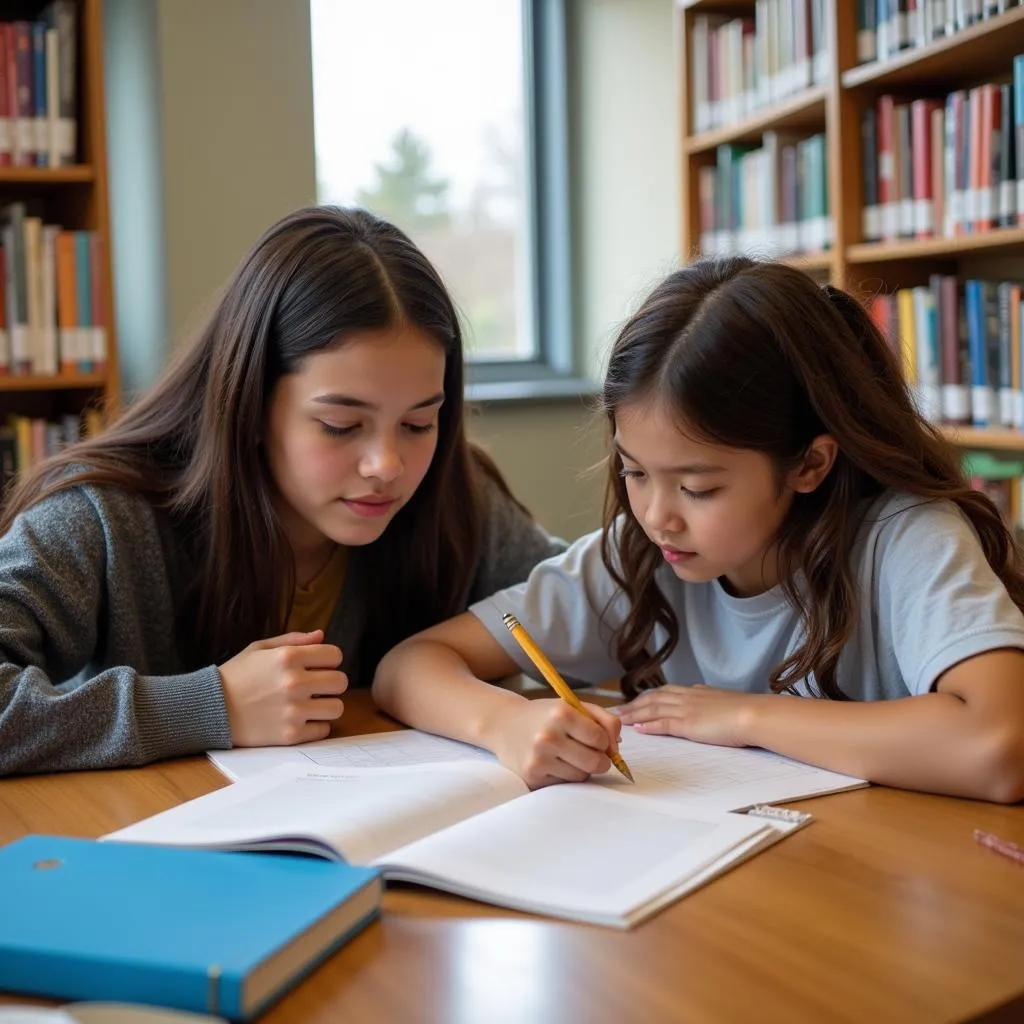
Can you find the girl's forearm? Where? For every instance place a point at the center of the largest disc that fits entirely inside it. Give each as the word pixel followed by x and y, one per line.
pixel 927 742
pixel 429 686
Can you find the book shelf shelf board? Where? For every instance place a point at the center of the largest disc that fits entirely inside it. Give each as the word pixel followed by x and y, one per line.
pixel 804 110
pixel 60 382
pixel 985 241
pixel 811 262
pixel 985 438
pixel 80 173
pixel 963 58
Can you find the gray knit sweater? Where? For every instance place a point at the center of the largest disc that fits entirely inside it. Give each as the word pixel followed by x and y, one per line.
pixel 91 671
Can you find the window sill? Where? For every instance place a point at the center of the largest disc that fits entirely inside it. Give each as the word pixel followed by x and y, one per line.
pixel 541 389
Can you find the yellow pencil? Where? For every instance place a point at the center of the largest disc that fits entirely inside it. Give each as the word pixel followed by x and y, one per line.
pixel 558 684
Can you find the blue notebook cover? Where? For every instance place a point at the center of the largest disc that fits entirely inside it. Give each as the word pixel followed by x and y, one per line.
pixel 211 932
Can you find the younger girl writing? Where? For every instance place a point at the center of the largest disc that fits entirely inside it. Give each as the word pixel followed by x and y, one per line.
pixel 781 525
pixel 297 486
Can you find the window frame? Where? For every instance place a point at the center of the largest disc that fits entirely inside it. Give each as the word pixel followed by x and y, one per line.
pixel 553 371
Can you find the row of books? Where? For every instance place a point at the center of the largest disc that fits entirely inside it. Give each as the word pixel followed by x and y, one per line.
pixel 961 348
pixel 53 317
pixel 945 167
pixel 38 88
pixel 25 440
pixel 740 65
pixel 772 200
pixel 885 27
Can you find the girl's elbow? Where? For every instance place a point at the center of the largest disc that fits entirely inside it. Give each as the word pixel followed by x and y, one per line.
pixel 384 676
pixel 1003 773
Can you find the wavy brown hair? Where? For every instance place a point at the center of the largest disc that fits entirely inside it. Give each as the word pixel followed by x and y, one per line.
pixel 190 447
pixel 756 356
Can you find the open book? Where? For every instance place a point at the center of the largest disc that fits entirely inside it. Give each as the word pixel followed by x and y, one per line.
pixel 603 852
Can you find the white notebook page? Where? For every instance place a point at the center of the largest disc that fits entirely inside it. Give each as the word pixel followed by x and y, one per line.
pixel 361 812
pixel 375 750
pixel 583 850
pixel 720 778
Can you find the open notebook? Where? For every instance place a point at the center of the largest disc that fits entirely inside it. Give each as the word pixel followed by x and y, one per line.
pixel 716 778
pixel 603 852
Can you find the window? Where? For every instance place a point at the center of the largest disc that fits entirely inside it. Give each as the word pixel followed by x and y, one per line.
pixel 448 118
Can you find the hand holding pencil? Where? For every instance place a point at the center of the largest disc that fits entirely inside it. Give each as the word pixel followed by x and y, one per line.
pixel 557 683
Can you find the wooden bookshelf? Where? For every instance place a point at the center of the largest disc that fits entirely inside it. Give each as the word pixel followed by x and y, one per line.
pixel 75 197
pixel 812 262
pixel 55 382
pixel 805 110
pixel 969 55
pixel 979 54
pixel 45 176
pixel 996 240
pixel 986 438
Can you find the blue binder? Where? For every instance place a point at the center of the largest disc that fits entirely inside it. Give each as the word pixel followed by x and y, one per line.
pixel 211 932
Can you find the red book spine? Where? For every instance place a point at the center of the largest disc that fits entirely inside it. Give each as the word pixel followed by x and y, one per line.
pixel 921 166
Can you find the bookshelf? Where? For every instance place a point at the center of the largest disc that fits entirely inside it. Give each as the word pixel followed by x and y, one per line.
pixel 735 85
pixel 66 187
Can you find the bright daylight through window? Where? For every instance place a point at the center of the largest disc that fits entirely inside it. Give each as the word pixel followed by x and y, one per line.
pixel 421 115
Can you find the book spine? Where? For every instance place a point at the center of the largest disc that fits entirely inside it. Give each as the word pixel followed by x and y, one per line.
pixel 993 350
pixel 1018 131
pixel 872 226
pixel 927 353
pixel 938 168
pixel 62 15
pixel 1004 343
pixel 980 405
pixel 887 196
pixel 40 126
pixel 921 172
pixel 83 298
pixel 1016 383
pixel 51 360
pixel 956 399
pixel 99 317
pixel 1007 169
pixel 6 115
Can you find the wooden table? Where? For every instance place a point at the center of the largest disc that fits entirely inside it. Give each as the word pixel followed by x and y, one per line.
pixel 884 909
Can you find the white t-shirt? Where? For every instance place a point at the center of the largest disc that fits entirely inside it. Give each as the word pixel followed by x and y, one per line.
pixel 928 599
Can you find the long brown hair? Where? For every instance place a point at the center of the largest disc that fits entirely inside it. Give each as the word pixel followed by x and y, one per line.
pixel 189 446
pixel 755 356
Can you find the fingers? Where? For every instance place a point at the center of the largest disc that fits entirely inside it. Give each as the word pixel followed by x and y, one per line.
pixel 322 709
pixel 310 656
pixel 556 754
pixel 648 707
pixel 661 727
pixel 553 771
pixel 318 683
pixel 287 640
pixel 313 731
pixel 581 728
pixel 611 725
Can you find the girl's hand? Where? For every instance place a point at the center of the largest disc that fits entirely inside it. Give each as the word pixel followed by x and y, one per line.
pixel 283 690
pixel 547 741
pixel 703 713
